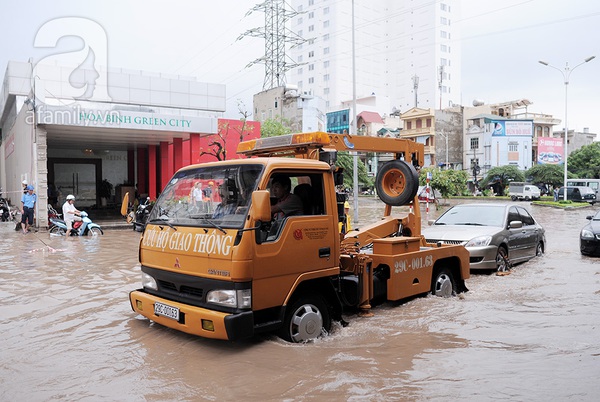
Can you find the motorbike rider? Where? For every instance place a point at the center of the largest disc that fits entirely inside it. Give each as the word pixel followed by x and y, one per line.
pixel 70 213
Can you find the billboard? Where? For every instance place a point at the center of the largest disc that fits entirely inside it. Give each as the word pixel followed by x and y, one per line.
pixel 550 151
pixel 513 128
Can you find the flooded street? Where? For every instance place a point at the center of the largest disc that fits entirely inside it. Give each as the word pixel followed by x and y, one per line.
pixel 69 333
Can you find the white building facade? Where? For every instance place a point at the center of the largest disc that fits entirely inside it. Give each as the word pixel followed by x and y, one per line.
pixel 407 52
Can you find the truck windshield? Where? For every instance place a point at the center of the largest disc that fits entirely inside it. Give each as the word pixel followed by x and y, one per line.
pixel 213 196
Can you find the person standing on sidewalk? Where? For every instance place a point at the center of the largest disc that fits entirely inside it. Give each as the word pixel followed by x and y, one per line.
pixel 28 201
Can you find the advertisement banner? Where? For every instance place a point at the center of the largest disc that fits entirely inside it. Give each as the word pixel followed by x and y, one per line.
pixel 550 150
pixel 513 128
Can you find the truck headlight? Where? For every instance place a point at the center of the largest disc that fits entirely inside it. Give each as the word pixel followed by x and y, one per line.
pixel 587 234
pixel 230 298
pixel 480 241
pixel 149 282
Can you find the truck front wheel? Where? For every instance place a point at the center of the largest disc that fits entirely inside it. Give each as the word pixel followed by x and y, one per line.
pixel 443 283
pixel 307 318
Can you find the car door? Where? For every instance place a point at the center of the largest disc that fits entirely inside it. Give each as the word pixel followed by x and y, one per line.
pixel 529 232
pixel 516 236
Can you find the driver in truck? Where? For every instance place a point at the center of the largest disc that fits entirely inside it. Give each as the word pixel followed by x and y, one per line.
pixel 287 204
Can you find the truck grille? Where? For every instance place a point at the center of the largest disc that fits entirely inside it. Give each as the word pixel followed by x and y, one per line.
pixel 184 290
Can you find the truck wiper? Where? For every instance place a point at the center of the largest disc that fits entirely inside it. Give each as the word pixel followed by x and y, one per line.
pixel 163 221
pixel 214 225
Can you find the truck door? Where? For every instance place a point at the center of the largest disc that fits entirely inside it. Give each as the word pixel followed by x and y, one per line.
pixel 301 242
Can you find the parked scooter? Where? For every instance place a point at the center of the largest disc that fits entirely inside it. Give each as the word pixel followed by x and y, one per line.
pixel 141 215
pixel 4 210
pixel 80 228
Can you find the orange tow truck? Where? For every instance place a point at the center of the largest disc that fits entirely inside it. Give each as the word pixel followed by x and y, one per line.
pixel 224 268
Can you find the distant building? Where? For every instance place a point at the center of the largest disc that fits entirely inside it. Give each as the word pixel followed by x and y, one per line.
pixel 302 111
pixel 408 53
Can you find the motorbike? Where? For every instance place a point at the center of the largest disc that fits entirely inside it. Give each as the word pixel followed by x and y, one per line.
pixel 80 228
pixel 4 210
pixel 141 215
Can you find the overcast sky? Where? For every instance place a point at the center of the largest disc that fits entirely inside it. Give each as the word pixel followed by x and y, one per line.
pixel 501 45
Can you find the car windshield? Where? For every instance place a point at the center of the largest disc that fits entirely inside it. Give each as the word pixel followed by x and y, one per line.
pixel 213 196
pixel 476 215
pixel 597 216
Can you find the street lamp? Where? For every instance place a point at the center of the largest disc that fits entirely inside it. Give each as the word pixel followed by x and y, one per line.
pixel 566 73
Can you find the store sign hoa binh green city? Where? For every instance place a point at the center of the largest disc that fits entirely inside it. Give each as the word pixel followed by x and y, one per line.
pixel 122 119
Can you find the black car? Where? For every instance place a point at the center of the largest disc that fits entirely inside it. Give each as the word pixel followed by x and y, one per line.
pixel 578 194
pixel 589 238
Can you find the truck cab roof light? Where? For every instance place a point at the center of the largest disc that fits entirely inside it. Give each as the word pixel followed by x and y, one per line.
pixel 284 142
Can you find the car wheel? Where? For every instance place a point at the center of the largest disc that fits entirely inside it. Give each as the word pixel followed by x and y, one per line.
pixel 512 197
pixel 539 250
pixel 502 262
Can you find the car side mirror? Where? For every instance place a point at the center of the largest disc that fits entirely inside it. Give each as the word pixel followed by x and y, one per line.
pixel 515 225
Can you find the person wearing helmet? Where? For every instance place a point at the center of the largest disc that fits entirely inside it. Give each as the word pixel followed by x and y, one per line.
pixel 24 184
pixel 28 201
pixel 70 213
pixel 346 224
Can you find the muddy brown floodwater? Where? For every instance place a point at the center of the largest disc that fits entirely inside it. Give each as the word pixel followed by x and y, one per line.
pixel 68 333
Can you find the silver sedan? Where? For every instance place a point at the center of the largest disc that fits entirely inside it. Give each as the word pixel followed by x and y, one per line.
pixel 496 235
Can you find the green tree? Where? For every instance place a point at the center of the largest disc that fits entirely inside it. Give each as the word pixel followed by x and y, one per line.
pixel 546 174
pixel 499 177
pixel 447 182
pixel 345 161
pixel 275 127
pixel 585 162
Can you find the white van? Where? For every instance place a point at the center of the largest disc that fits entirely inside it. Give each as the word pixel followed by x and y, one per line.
pixel 594 184
pixel 523 191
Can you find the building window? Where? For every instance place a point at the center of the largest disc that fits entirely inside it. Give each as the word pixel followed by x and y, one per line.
pixel 444 48
pixel 326 77
pixel 311 28
pixel 299 84
pixel 428 122
pixel 275 104
pixel 300 71
pixel 325 37
pixel 311 53
pixel 326 64
pixel 311 15
pixel 408 125
pixel 300 20
pixel 419 123
pixel 326 24
pixel 326 10
pixel 311 80
pixel 326 50
pixel 311 67
pixel 444 34
pixel 300 59
pixel 300 33
pixel 443 20
pixel 310 42
pixel 311 2
pixel 443 62
pixel 443 7
pixel 475 143
pixel 326 91
pixel 513 147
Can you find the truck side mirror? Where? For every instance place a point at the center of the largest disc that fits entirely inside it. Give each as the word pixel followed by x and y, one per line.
pixel 261 205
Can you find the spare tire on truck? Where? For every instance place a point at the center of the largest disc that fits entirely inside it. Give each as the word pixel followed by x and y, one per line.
pixel 397 183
